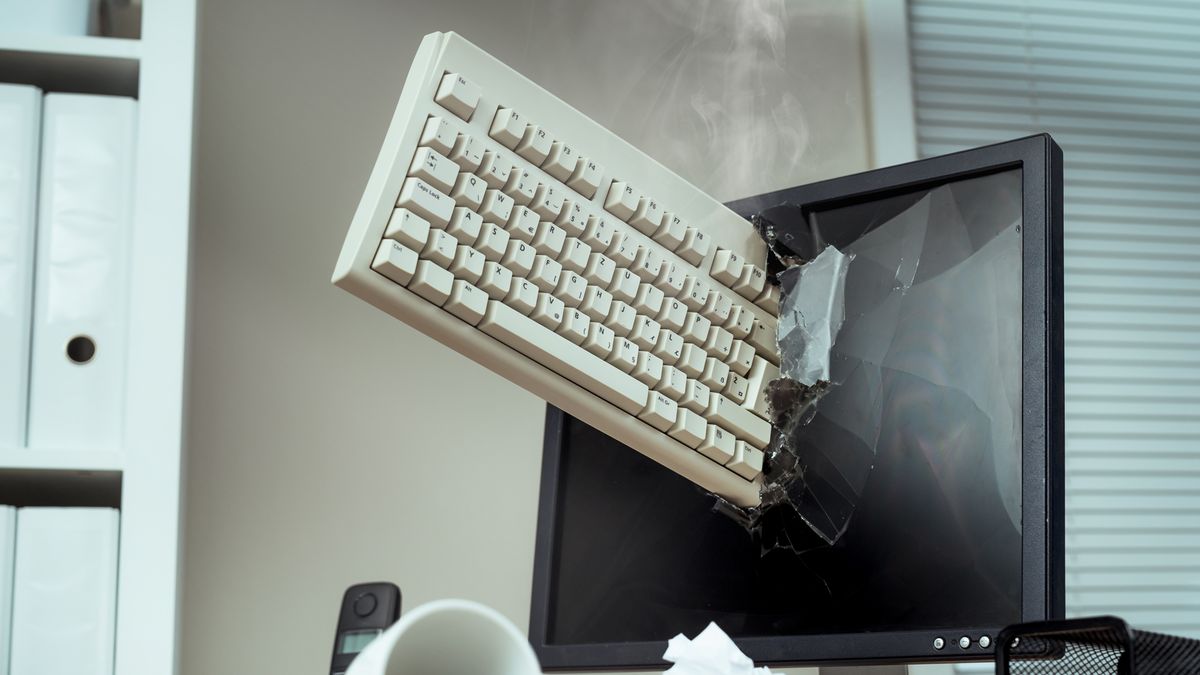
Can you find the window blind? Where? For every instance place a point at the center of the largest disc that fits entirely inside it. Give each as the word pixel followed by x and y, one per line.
pixel 1117 83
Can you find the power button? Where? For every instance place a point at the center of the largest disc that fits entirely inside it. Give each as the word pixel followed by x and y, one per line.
pixel 365 604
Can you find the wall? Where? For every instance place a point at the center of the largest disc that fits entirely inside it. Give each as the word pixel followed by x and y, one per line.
pixel 324 437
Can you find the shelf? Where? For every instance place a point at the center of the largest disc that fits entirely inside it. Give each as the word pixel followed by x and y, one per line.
pixel 80 64
pixel 60 460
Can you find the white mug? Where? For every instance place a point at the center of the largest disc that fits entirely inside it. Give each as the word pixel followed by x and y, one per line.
pixel 448 637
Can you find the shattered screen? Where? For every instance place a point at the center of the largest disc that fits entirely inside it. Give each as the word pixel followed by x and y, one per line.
pixel 901 432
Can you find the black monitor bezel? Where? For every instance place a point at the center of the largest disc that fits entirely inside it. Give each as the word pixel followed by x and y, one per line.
pixel 1043 434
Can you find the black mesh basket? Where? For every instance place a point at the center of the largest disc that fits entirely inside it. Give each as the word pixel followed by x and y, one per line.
pixel 1098 646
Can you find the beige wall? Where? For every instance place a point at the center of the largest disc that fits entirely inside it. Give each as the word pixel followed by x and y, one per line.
pixel 330 444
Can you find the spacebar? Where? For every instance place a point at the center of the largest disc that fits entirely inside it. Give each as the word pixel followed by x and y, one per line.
pixel 564 357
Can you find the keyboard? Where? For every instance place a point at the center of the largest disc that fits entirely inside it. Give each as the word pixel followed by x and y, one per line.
pixel 512 228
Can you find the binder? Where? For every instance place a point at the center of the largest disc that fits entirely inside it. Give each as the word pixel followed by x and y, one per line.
pixel 77 378
pixel 65 591
pixel 20 124
pixel 8 542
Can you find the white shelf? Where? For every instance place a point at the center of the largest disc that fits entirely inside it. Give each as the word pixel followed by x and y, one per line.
pixel 39 459
pixel 83 64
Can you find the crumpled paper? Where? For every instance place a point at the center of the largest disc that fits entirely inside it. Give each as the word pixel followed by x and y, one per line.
pixel 709 653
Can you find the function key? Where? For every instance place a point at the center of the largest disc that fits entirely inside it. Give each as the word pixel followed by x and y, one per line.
pixel 561 161
pixel 695 245
pixel 508 127
pixel 585 179
pixel 727 266
pixel 457 95
pixel 671 232
pixel 647 217
pixel 622 200
pixel 535 144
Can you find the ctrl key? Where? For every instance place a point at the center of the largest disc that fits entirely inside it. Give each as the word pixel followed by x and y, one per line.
pixel 395 261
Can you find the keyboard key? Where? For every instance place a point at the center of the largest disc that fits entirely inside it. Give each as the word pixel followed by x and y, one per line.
pixel 561 161
pixel 492 242
pixel 522 296
pixel 660 411
pixel 718 342
pixel 718 308
pixel 407 228
pixel 495 280
pixel 547 201
pixel 439 135
pixel 622 200
pixel 670 280
pixel 586 178
pixel 727 266
pixel 597 303
pixel 598 234
pixel 623 249
pixel 769 299
pixel 694 247
pixel 649 300
pixel 624 354
pixel 395 261
pixel 695 328
pixel 695 396
pixel 691 360
pixel 426 201
pixel 736 388
pixel 750 284
pixel 549 239
pixel 740 323
pixel 549 311
pixel 647 263
pixel 743 423
pixel 695 294
pixel 741 357
pixel 600 340
pixel 465 225
pixel 495 170
pixel 467 152
pixel 467 302
pixel 649 368
pixel 508 127
pixel 496 207
pixel 575 326
pixel 518 258
pixel 621 318
pixel 431 282
pixel 718 444
pixel 522 224
pixel 689 428
pixel 468 264
pixel 572 289
pixel 747 461
pixel 600 269
pixel 624 285
pixel 673 383
pixel 457 95
pixel 670 346
pixel 671 232
pixel 521 186
pixel 575 255
pixel 716 374
pixel 673 314
pixel 545 273
pixel 645 333
pixel 440 248
pixel 573 218
pixel 535 144
pixel 647 216
pixel 434 168
pixel 468 190
pixel 559 355
pixel 762 338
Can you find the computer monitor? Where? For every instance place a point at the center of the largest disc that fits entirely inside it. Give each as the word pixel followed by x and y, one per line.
pixel 942 432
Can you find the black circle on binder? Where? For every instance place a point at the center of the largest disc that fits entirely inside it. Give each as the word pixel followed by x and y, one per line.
pixel 81 349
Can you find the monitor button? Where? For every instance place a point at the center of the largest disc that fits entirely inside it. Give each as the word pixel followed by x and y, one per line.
pixel 985 641
pixel 964 642
pixel 938 643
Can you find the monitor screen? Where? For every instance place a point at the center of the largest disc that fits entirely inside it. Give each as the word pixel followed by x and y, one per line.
pixel 920 433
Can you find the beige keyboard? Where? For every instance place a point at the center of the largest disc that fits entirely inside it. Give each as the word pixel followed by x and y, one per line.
pixel 507 225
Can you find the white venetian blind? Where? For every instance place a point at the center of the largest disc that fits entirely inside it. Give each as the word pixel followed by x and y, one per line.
pixel 1117 83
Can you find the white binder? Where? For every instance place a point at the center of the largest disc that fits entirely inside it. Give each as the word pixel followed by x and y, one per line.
pixel 77 379
pixel 8 542
pixel 20 121
pixel 65 593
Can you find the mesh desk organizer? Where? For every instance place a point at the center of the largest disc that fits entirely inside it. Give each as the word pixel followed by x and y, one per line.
pixel 1094 646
